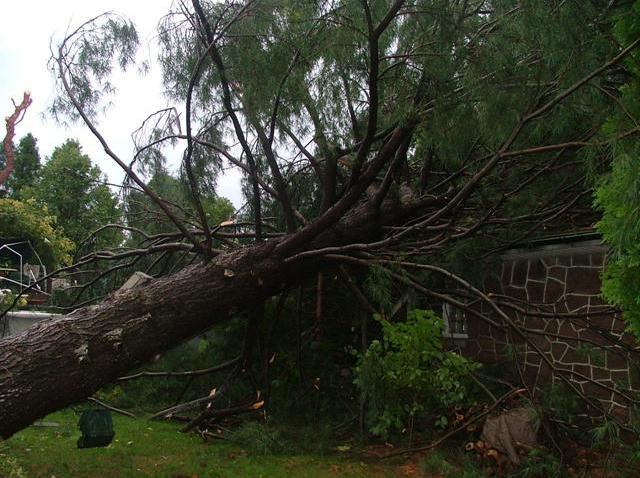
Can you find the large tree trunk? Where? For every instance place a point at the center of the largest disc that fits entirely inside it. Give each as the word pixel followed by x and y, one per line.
pixel 62 361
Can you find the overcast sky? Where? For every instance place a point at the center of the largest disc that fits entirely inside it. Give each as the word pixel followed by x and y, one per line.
pixel 28 27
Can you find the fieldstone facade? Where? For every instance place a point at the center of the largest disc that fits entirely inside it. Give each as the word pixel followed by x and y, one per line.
pixel 553 293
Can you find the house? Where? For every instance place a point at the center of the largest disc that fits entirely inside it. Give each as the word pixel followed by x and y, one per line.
pixel 570 336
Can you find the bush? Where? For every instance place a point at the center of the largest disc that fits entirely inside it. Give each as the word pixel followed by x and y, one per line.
pixel 409 373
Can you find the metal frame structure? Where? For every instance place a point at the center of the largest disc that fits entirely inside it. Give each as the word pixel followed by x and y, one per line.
pixel 31 279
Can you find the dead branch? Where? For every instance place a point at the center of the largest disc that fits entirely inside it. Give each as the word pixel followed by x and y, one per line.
pixel 7 145
pixel 111 407
pixel 190 373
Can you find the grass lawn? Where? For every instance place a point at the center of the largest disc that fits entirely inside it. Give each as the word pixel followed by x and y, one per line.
pixel 155 449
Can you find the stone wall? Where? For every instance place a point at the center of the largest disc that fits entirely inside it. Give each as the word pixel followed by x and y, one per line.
pixel 553 293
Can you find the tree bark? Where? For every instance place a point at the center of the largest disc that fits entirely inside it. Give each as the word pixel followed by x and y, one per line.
pixel 62 361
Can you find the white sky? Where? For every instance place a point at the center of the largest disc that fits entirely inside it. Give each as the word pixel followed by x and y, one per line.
pixel 27 29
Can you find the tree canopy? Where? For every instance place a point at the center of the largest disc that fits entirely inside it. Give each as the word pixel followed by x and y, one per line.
pixel 327 84
pixel 75 193
pixel 26 220
pixel 618 194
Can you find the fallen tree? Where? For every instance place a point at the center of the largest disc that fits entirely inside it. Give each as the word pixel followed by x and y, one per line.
pixel 426 137
pixel 62 361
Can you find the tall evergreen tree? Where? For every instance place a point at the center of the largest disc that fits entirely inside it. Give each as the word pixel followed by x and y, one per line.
pixel 74 192
pixel 27 168
pixel 618 194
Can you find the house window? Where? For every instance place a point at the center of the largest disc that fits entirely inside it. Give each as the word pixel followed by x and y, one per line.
pixel 455 322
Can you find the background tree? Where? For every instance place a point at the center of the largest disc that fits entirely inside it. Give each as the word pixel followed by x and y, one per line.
pixel 142 213
pixel 147 223
pixel 27 220
pixel 618 194
pixel 74 192
pixel 27 170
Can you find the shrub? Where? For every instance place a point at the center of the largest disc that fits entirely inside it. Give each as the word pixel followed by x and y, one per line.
pixel 409 373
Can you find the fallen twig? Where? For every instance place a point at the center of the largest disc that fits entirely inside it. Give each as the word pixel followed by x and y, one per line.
pixel 7 144
pixel 189 373
pixel 111 407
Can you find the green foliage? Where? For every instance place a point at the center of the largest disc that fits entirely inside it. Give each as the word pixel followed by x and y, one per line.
pixel 607 434
pixel 561 402
pixel 151 394
pixel 9 468
pixel 540 464
pixel 143 213
pixel 633 453
pixel 8 298
pixel 28 220
pixel 258 438
pixel 450 460
pixel 618 194
pixel 409 373
pixel 217 209
pixel 27 166
pixel 617 197
pixel 479 66
pixel 436 464
pixel 448 463
pixel 483 68
pixel 596 355
pixel 379 286
pixel 74 192
pixel 97 47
